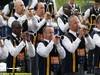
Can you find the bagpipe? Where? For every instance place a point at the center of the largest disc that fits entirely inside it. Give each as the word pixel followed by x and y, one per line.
pixel 92 21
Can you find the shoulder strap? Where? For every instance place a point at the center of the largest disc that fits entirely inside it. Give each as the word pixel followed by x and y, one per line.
pixel 15 17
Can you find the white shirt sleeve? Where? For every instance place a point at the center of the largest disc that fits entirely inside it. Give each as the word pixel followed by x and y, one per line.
pixel 86 14
pixel 43 50
pixel 71 46
pixel 34 2
pixel 61 51
pixel 22 19
pixel 89 43
pixel 6 10
pixel 62 26
pixel 41 23
pixel 2 21
pixel 60 11
pixel 14 51
pixel 96 39
pixel 3 52
pixel 30 49
pixel 10 21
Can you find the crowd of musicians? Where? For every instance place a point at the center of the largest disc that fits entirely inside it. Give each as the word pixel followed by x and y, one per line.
pixel 37 39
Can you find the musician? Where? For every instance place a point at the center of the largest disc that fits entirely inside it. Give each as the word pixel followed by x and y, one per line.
pixel 50 52
pixel 91 13
pixel 8 9
pixel 20 49
pixel 19 12
pixel 90 18
pixel 63 19
pixel 41 16
pixel 41 19
pixel 96 39
pixel 73 6
pixel 77 42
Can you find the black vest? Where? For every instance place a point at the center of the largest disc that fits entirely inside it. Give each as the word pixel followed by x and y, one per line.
pixel 19 63
pixel 65 20
pixel 42 62
pixel 67 63
pixel 96 49
pixel 24 25
pixel 95 12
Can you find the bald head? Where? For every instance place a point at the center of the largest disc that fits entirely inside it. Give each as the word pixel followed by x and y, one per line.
pixel 74 23
pixel 40 9
pixel 19 7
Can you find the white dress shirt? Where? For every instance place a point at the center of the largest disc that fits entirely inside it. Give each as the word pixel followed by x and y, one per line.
pixel 14 51
pixel 2 21
pixel 33 4
pixel 86 14
pixel 44 51
pixel 6 10
pixel 72 46
pixel 12 19
pixel 60 11
pixel 62 26
pixel 33 22
pixel 3 51
pixel 39 24
pixel 30 49
pixel 96 37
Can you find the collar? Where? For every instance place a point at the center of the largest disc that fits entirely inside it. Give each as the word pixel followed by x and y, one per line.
pixel 14 35
pixel 37 17
pixel 65 15
pixel 72 32
pixel 46 40
pixel 17 15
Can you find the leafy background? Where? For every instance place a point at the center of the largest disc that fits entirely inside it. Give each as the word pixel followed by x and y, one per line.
pixel 84 4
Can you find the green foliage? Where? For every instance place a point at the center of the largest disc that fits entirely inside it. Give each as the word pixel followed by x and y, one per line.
pixel 81 3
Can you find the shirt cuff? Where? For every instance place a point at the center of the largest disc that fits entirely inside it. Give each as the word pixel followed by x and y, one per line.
pixel 78 39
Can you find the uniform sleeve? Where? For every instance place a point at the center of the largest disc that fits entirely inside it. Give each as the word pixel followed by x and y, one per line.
pixel 3 52
pixel 10 21
pixel 30 49
pixel 14 51
pixel 96 39
pixel 86 14
pixel 70 46
pixel 89 43
pixel 6 10
pixel 43 50
pixel 33 4
pixel 62 26
pixel 61 51
pixel 60 11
